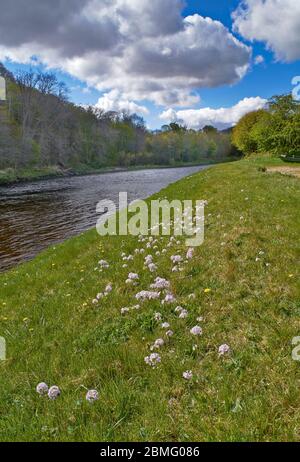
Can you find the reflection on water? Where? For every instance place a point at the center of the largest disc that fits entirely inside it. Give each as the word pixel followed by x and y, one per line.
pixel 38 214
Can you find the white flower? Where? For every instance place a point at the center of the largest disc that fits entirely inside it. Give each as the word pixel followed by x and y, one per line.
pixel 158 317
pixel 53 392
pixel 153 360
pixel 108 288
pixel 152 267
pixel 184 314
pixel 92 395
pixel 95 301
pixel 224 349
pixel 190 253
pixel 169 333
pixel 165 325
pixel 124 311
pixel 159 343
pixel 99 296
pixel 187 375
pixel 200 319
pixel 169 298
pixel 196 330
pixel 178 309
pixel 42 388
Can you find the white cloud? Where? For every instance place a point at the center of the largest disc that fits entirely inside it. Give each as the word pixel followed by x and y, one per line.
pixel 220 118
pixel 114 101
pixel 275 22
pixel 259 59
pixel 145 50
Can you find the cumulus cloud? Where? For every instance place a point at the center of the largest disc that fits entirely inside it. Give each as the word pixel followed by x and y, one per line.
pixel 113 101
pixel 276 22
pixel 145 50
pixel 220 118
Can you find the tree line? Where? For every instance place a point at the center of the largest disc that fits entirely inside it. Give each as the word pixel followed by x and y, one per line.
pixel 40 127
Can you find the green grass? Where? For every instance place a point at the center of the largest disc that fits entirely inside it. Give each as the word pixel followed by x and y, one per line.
pixel 11 175
pixel 55 334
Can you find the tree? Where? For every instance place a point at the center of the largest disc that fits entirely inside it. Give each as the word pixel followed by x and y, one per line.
pixel 243 136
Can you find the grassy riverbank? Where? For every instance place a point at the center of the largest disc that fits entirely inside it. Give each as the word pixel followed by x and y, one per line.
pixel 244 278
pixel 12 176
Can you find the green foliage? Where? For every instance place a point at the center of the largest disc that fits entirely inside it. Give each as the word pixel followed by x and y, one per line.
pixel 243 136
pixel 275 130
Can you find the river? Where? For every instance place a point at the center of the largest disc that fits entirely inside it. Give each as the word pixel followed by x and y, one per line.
pixel 37 214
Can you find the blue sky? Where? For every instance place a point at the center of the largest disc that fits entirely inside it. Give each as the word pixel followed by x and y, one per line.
pixel 272 76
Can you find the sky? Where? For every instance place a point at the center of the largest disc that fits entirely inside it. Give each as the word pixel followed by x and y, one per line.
pixel 196 62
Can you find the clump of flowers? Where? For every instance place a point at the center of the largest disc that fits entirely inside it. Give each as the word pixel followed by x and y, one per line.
pixel 176 259
pixel 147 295
pixel 42 389
pixel 196 330
pixel 103 264
pixel 160 283
pixel 169 298
pixel 148 260
pixel 224 349
pixel 187 375
pixel 133 278
pixel 54 392
pixel 153 360
pixel 92 396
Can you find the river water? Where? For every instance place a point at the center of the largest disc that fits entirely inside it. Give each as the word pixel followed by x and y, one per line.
pixel 37 214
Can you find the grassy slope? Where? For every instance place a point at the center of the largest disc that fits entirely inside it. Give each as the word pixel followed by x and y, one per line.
pixel 65 340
